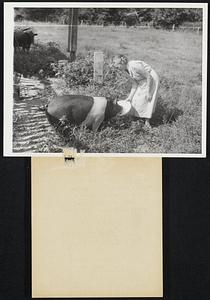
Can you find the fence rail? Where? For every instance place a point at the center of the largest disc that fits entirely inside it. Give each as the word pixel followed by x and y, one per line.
pixel 197 29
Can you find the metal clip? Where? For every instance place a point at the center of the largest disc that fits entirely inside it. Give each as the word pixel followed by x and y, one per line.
pixel 70 155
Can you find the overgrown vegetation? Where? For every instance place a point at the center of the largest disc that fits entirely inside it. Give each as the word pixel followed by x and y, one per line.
pixel 79 75
pixel 38 61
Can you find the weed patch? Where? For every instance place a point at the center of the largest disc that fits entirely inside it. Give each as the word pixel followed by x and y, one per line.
pixel 38 61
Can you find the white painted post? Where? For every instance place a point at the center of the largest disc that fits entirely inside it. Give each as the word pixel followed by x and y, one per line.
pixel 98 66
pixel 173 28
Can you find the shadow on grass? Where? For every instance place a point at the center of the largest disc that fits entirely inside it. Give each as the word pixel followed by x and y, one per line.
pixel 38 61
pixel 165 114
pixel 123 123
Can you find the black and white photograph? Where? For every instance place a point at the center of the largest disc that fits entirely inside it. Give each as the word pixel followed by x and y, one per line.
pixel 122 79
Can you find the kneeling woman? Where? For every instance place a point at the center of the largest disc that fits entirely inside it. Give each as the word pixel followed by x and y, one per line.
pixel 145 82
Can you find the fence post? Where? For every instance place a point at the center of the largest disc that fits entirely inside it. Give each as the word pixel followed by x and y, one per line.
pixel 72 33
pixel 198 29
pixel 98 67
pixel 173 28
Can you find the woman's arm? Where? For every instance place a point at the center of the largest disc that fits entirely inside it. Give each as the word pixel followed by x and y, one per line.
pixel 142 70
pixel 133 90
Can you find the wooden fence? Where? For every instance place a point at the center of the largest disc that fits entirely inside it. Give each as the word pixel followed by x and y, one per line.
pixel 197 29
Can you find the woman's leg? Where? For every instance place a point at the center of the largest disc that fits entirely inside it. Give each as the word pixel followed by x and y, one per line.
pixel 147 123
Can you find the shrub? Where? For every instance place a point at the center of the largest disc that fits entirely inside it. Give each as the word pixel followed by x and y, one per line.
pixel 38 61
pixel 166 17
pixel 79 72
pixel 78 76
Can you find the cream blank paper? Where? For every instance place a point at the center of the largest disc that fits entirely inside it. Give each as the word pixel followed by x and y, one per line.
pixel 96 227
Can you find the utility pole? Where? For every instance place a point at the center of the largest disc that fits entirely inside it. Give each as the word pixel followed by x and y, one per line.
pixel 72 33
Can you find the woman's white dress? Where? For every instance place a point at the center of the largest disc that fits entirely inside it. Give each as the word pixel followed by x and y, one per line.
pixel 142 106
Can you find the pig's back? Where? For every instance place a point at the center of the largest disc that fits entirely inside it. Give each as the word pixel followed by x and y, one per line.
pixel 74 108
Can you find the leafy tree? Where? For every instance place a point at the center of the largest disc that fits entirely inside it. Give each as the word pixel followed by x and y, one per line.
pixel 41 14
pixel 166 17
pixel 144 14
pixel 163 17
pixel 86 14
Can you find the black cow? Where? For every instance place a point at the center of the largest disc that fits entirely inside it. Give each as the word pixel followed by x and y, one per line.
pixel 23 38
pixel 19 18
pixel 82 110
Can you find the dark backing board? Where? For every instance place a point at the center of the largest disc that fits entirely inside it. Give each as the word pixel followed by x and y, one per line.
pixel 186 229
pixel 186 210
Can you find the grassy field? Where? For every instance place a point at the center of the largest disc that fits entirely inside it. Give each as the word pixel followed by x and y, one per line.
pixel 176 57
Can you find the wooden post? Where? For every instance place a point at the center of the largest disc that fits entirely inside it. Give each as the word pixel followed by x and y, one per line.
pixel 98 67
pixel 72 33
